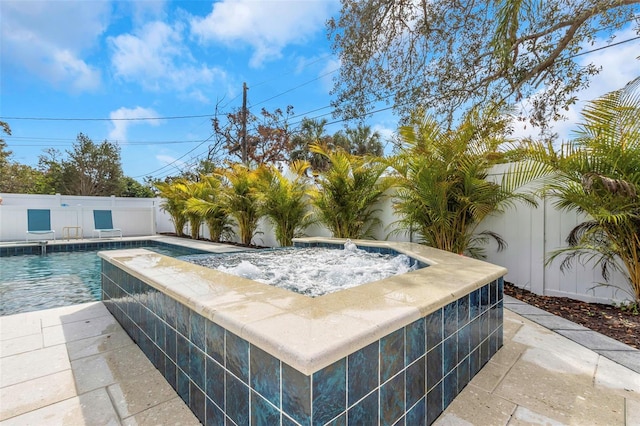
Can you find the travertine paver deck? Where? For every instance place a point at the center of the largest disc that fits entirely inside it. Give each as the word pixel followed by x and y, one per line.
pixel 76 365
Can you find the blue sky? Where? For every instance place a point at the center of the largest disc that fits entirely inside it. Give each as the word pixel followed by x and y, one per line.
pixel 154 59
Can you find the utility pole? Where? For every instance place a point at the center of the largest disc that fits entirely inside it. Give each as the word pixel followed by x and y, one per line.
pixel 245 151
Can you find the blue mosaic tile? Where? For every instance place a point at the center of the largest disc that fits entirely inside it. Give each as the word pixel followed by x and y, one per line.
pixel 416 381
pixel 484 352
pixel 493 292
pixel 197 330
pixel 172 344
pixel 263 413
pixel 434 366
pixel 197 366
pixel 182 385
pixel 450 319
pixel 159 359
pixel 197 402
pixel 183 350
pixel 160 333
pixel 265 375
pixel 341 420
pixel 417 415
pixel 484 326
pixel 493 344
pixel 463 374
pixel 450 353
pixel 434 329
pixel 329 392
pixel 464 338
pixel 463 311
pixel 493 318
pixel 286 421
pixel 416 344
pixel 171 307
pixel 183 314
pixel 474 338
pixel 366 412
pixel 484 298
pixel 296 394
pixel 215 381
pixel 434 403
pixel 362 372
pixel 450 388
pixel 391 354
pixel 237 356
pixel 392 400
pixel 500 288
pixel 214 415
pixel 237 400
pixel 215 341
pixel 474 304
pixel 474 362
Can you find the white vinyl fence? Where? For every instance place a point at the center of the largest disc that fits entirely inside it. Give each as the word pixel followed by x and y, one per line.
pixel 135 216
pixel 530 233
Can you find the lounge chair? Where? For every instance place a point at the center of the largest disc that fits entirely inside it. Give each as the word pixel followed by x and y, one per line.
pixel 39 223
pixel 103 223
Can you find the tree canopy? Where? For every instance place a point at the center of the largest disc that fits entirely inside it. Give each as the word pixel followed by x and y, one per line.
pixel 266 136
pixel 442 55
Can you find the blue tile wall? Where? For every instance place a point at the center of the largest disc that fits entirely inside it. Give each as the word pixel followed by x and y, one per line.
pixel 405 378
pixel 20 250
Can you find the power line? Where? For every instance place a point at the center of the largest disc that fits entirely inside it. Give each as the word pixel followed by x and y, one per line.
pixel 603 47
pixel 290 72
pixel 69 142
pixel 296 87
pixel 179 158
pixel 176 117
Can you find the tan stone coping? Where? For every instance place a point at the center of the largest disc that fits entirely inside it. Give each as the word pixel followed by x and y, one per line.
pixel 312 333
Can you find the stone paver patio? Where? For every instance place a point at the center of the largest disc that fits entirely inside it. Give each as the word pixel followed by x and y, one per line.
pixel 75 365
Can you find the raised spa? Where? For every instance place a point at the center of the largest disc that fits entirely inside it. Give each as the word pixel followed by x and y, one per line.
pixel 243 352
pixel 311 271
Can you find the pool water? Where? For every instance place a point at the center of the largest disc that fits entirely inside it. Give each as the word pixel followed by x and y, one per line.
pixel 309 271
pixel 33 282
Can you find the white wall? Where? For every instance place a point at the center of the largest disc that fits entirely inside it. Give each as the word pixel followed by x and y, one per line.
pixel 135 216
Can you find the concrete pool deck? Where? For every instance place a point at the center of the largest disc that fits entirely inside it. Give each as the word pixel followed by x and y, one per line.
pixel 75 365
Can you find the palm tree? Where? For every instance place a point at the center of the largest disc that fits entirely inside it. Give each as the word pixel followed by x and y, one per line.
pixel 191 190
pixel 363 141
pixel 347 192
pixel 174 203
pixel 207 204
pixel 241 199
pixel 285 200
pixel 312 132
pixel 443 191
pixel 599 175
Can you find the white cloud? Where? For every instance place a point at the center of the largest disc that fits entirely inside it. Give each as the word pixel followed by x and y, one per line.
pixel 619 66
pixel 329 72
pixel 48 39
pixel 121 124
pixel 167 159
pixel 156 57
pixel 265 26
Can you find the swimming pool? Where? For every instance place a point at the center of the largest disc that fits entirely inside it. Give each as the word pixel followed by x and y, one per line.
pixel 32 282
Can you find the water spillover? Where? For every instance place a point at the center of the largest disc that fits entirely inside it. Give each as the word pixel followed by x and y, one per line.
pixel 309 271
